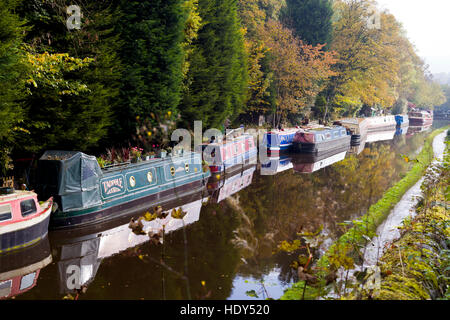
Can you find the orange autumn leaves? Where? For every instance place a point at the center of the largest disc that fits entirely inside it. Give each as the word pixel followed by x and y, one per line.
pixel 300 70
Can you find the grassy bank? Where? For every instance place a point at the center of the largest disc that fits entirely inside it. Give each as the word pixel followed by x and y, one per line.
pixel 417 266
pixel 345 252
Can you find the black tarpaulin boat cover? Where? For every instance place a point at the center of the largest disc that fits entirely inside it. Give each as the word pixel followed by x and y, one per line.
pixel 73 176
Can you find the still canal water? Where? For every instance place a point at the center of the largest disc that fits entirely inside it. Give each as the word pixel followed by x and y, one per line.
pixel 227 247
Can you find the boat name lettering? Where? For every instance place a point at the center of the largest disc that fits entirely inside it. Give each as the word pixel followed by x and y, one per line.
pixel 113 186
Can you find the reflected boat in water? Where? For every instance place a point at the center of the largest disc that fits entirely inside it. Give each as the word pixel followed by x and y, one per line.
pixel 275 165
pixel 309 163
pixel 19 270
pixel 401 131
pixel 412 130
pixel 79 252
pixel 380 136
pixel 375 136
pixel 222 186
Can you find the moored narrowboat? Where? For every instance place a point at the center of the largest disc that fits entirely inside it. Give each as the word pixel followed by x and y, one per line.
pixel 359 127
pixel 420 118
pixel 321 140
pixel 23 220
pixel 231 154
pixel 86 194
pixel 277 141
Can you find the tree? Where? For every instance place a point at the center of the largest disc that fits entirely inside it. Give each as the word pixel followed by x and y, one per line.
pixel 12 73
pixel 56 112
pixel 310 20
pixel 368 64
pixel 48 37
pixel 152 56
pixel 300 70
pixel 218 69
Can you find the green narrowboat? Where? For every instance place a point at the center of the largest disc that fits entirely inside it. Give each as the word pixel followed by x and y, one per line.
pixel 86 194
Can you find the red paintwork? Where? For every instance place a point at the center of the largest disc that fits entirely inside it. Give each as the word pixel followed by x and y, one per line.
pixel 232 148
pixel 304 137
pixel 15 286
pixel 15 207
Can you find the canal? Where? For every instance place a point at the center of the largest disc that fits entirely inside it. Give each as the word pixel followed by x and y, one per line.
pixel 226 245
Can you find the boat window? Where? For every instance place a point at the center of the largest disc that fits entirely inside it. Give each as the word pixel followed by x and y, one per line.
pixel 28 207
pixel 328 135
pixel 27 281
pixel 5 288
pixel 5 212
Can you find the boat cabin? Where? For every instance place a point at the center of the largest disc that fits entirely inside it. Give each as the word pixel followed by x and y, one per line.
pixel 17 206
pixel 229 154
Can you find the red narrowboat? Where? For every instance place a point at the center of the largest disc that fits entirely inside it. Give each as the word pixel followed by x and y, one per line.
pixel 230 155
pixel 23 221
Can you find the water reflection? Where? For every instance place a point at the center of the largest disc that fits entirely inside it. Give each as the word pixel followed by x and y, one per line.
pixel 79 252
pixel 227 247
pixel 309 163
pixel 221 187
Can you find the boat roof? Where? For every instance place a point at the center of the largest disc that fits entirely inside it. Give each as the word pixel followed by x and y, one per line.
pixel 352 120
pixel 18 194
pixel 229 140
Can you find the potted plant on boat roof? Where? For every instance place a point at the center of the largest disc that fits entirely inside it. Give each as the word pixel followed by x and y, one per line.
pixel 135 154
pixel 149 155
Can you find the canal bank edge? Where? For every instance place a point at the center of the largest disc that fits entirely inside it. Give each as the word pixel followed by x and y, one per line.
pixel 417 266
pixel 364 229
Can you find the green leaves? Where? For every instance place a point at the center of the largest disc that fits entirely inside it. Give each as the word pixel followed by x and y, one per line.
pixel 49 72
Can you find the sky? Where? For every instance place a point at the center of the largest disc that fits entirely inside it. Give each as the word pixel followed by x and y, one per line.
pixel 427 23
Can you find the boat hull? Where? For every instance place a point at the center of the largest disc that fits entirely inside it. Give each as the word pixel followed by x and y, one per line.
pixel 324 146
pixel 95 215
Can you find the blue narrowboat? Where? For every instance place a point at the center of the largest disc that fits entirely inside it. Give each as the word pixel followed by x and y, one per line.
pixel 321 139
pixel 85 193
pixel 278 141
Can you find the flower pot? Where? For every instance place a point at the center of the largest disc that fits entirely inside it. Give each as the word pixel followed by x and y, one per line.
pixel 162 154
